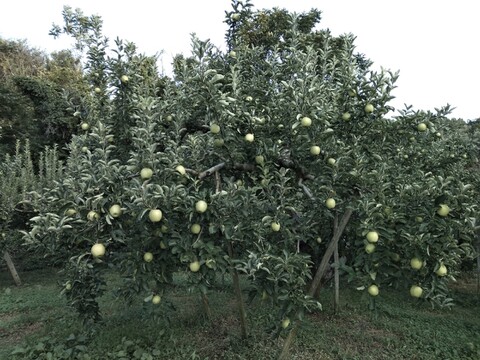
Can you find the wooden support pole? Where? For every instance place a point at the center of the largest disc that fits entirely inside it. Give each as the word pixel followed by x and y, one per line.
pixel 12 269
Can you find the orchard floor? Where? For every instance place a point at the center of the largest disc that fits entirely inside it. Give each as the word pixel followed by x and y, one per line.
pixel 34 322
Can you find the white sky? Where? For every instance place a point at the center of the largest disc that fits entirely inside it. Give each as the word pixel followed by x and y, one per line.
pixel 434 44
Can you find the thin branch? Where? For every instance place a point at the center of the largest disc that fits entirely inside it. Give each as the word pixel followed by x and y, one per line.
pixel 210 171
pixel 305 189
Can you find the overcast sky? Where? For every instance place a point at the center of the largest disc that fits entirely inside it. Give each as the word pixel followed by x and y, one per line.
pixel 434 43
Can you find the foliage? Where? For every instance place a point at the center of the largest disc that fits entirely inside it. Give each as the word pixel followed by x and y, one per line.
pixel 248 146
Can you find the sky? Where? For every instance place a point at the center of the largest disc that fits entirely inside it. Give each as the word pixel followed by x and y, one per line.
pixel 433 43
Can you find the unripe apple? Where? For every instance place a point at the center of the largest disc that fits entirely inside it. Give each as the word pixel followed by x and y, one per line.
pixel 214 128
pixel 369 248
pixel 93 215
pixel 259 159
pixel 148 257
pixel 218 142
pixel 163 246
pixel 155 215
pixel 416 291
pixel 331 161
pixel 195 229
pixel 315 150
pixel 233 54
pixel 352 92
pixel 372 236
pixel 194 266
pixel 346 116
pixel 369 108
pixel 201 206
pixel 330 203
pixel 180 169
pixel 422 127
pixel 124 79
pixel 306 121
pixel 98 90
pixel 146 173
pixel 419 219
pixel 249 137
pixel 169 118
pixel 70 212
pixel 98 250
pixel 275 226
pixel 416 263
pixel 441 271
pixel 85 126
pixel 84 149
pixel 115 210
pixel 373 290
pixel 285 323
pixel 235 17
pixel 443 210
pixel 156 299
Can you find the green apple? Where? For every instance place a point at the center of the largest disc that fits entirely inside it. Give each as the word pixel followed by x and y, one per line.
pixel 285 323
pixel 93 215
pixel 235 16
pixel 275 226
pixel 98 90
pixel 306 121
pixel 180 169
pixel 419 219
pixel 155 215
pixel 70 212
pixel 146 173
pixel 115 210
pixel 439 135
pixel 85 126
pixel 148 257
pixel 169 118
pixel 422 127
pixel 233 54
pixel 218 142
pixel 68 286
pixel 331 161
pixel 201 206
pixel 352 92
pixel 124 79
pixel 195 229
pixel 259 159
pixel 156 299
pixel 194 266
pixel 369 248
pixel 441 271
pixel 163 246
pixel 373 290
pixel 416 291
pixel 315 150
pixel 249 137
pixel 319 240
pixel 443 210
pixel 346 116
pixel 330 203
pixel 98 250
pixel 416 263
pixel 369 108
pixel 214 128
pixel 84 149
pixel 372 236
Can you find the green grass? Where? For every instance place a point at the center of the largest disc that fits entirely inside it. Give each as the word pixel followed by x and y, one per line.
pixel 35 318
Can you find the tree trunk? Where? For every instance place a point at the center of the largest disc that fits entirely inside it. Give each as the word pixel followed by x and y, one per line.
pixel 322 268
pixel 12 269
pixel 238 295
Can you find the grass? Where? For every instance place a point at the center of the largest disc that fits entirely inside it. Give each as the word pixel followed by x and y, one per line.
pixel 35 321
